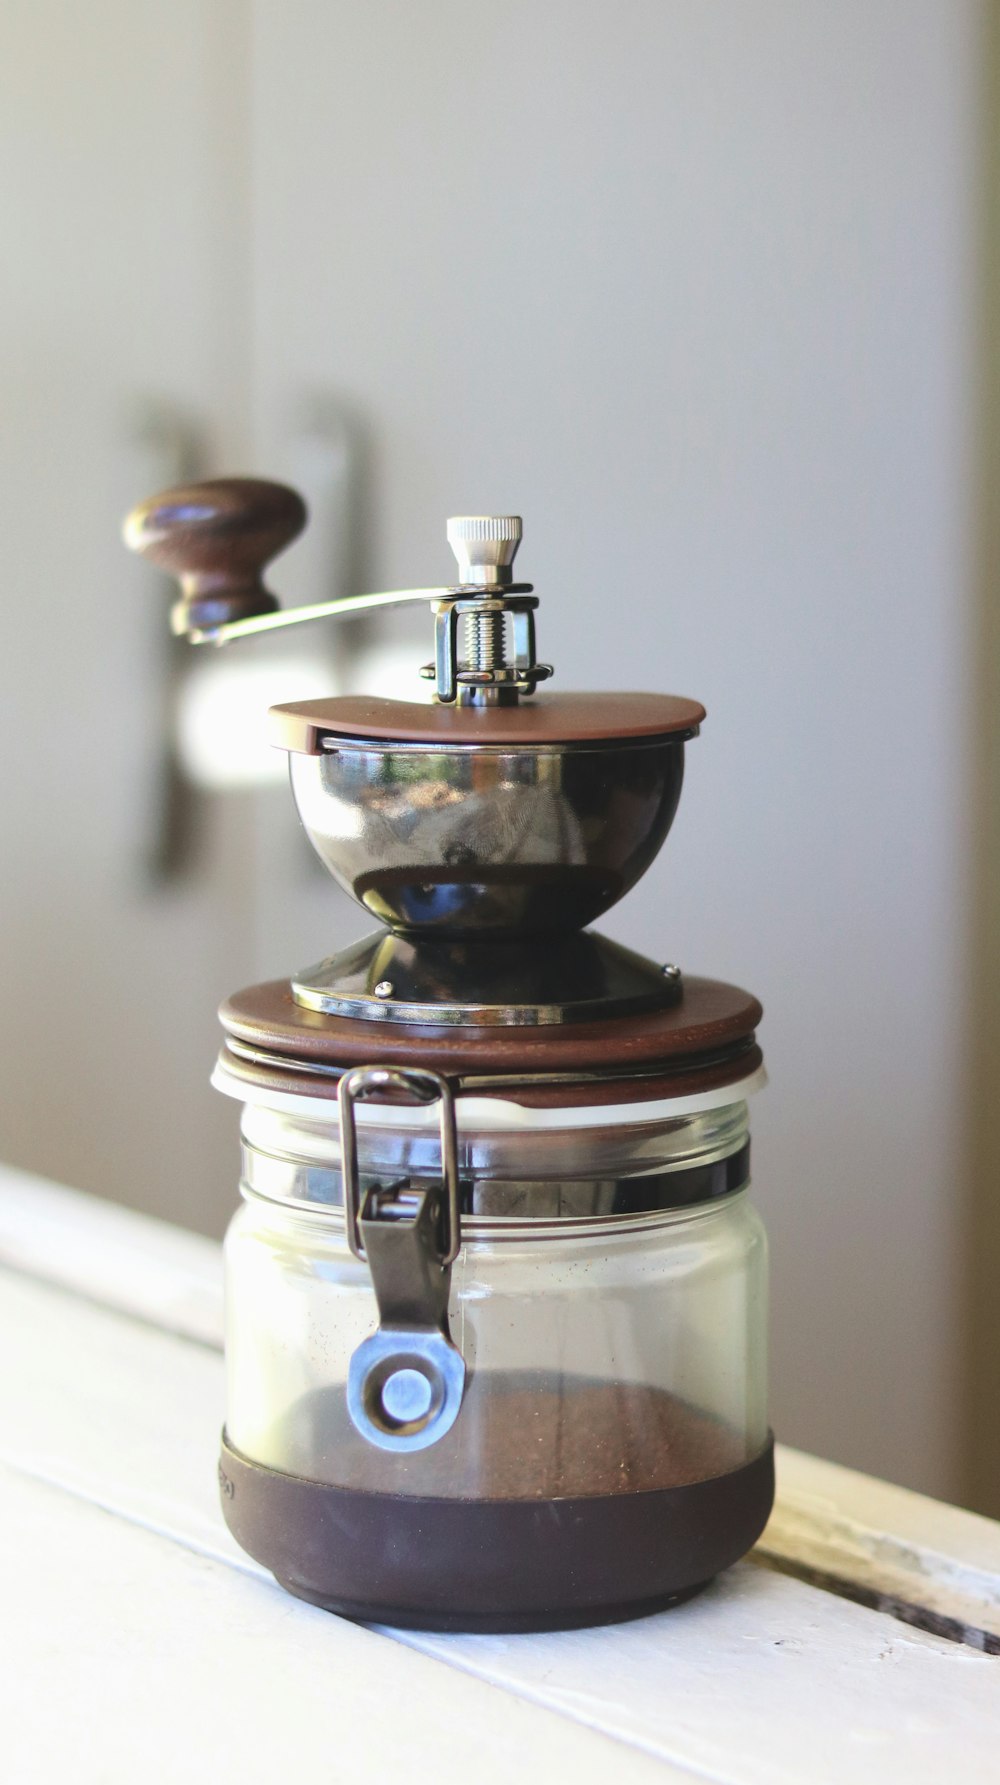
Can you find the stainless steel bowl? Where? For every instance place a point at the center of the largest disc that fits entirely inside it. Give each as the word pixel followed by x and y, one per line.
pixel 471 840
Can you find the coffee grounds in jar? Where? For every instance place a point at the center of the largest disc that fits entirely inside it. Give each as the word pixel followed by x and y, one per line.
pixel 518 1436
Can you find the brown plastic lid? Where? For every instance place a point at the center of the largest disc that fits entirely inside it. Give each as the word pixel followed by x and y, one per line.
pixel 548 719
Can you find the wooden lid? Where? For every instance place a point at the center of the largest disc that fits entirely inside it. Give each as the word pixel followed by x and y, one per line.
pixel 708 1036
pixel 547 719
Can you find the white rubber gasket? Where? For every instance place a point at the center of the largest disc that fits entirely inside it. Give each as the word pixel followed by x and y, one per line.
pixel 492 1114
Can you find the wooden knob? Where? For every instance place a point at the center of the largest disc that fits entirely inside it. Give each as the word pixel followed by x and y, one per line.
pixel 216 538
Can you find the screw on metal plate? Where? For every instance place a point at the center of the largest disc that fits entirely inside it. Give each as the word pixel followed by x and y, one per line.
pixel 406 1381
pixel 384 989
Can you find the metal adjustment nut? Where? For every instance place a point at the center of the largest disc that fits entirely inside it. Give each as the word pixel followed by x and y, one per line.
pixel 485 546
pixel 498 617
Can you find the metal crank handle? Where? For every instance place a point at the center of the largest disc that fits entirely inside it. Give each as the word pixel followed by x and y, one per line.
pixel 217 539
pixel 343 607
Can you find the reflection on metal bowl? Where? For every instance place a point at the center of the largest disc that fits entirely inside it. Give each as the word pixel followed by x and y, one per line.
pixel 467 841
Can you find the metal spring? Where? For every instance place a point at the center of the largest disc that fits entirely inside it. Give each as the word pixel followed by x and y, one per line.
pixel 485 646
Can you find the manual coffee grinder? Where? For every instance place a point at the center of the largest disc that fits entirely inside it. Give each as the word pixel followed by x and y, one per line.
pixel 496 1295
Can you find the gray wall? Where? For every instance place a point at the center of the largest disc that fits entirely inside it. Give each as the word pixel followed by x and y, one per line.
pixel 690 286
pixel 123 232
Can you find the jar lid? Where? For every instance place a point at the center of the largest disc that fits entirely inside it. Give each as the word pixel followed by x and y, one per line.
pixel 699 1045
pixel 302 725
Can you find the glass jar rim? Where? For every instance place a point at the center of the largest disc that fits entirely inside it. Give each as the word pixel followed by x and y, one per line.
pixel 330 1215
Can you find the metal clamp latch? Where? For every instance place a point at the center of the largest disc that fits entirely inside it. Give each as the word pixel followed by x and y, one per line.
pixel 405 1382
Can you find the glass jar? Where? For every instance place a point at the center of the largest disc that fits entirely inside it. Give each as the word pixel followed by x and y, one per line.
pixel 608 1305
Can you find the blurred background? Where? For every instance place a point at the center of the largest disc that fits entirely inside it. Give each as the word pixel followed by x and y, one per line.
pixel 705 292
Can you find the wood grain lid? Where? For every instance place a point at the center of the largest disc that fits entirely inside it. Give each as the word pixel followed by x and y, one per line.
pixel 710 1032
pixel 548 719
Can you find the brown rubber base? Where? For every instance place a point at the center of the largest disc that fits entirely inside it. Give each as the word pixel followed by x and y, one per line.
pixel 494 1565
